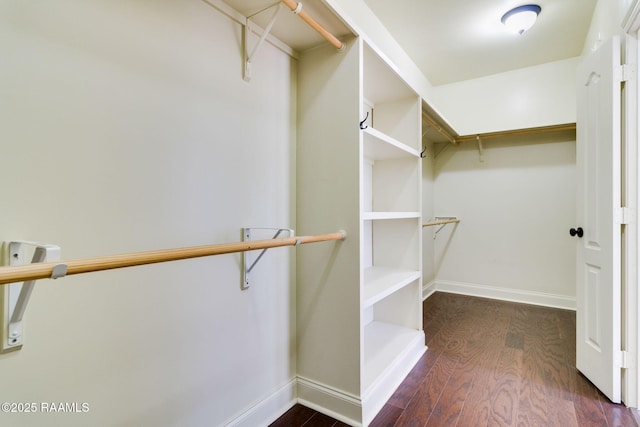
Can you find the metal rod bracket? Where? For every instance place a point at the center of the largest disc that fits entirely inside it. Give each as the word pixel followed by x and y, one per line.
pixel 248 29
pixel 440 218
pixel 15 296
pixel 480 149
pixel 246 237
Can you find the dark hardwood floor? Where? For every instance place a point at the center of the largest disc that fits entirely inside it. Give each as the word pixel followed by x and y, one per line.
pixel 491 363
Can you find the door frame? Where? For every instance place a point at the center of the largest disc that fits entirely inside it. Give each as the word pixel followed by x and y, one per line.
pixel 630 187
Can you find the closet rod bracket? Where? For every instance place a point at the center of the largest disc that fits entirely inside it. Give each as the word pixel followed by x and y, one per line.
pixel 441 221
pixel 15 296
pixel 480 149
pixel 248 29
pixel 246 237
pixel 443 218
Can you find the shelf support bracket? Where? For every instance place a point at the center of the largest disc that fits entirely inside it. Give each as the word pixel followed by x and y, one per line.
pixel 247 30
pixel 15 296
pixel 246 237
pixel 480 149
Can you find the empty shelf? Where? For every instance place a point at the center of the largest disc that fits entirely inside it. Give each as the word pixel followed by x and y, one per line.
pixel 389 215
pixel 384 343
pixel 378 146
pixel 380 282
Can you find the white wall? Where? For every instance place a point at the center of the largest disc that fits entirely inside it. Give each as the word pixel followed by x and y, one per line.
pixel 518 205
pixel 535 96
pixel 126 126
pixel 516 209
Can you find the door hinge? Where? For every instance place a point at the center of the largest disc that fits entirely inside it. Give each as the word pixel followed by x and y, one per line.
pixel 624 215
pixel 625 360
pixel 627 72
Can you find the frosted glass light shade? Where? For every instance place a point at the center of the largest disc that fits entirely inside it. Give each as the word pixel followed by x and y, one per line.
pixel 521 18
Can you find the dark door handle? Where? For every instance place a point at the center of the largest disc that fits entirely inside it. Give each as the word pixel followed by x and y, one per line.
pixel 577 232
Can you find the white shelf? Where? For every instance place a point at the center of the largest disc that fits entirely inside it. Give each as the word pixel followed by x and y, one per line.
pixel 369 216
pixel 379 146
pixel 384 343
pixel 380 282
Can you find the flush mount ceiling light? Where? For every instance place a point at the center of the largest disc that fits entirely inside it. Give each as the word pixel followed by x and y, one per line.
pixel 521 18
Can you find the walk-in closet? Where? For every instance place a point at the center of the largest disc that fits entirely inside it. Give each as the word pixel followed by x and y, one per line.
pixel 225 212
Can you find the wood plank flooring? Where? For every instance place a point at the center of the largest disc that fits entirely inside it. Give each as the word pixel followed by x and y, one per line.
pixel 491 363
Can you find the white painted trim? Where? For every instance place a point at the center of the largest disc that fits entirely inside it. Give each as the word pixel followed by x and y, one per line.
pixel 631 301
pixel 514 295
pixel 350 409
pixel 269 409
pixel 329 413
pixel 428 289
pixel 631 21
pixel 330 401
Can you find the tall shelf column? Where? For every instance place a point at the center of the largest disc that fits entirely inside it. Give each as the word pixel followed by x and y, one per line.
pixel 359 305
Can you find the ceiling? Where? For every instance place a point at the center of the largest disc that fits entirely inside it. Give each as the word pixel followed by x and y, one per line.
pixel 454 40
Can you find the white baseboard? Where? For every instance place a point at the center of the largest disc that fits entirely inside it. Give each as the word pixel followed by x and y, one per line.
pixel 428 289
pixel 514 295
pixel 351 409
pixel 268 410
pixel 330 401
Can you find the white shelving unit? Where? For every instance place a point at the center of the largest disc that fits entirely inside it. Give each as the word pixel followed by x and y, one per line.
pixel 359 304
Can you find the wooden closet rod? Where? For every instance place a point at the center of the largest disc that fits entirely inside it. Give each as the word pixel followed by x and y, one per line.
pixel 439 222
pixel 439 128
pixel 518 132
pixel 454 139
pixel 297 9
pixel 27 272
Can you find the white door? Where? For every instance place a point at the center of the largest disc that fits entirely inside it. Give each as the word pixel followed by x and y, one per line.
pixel 598 354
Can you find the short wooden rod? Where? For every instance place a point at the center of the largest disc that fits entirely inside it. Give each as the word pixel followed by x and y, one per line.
pixel 26 272
pixel 519 132
pixel 441 221
pixel 438 128
pixel 292 4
